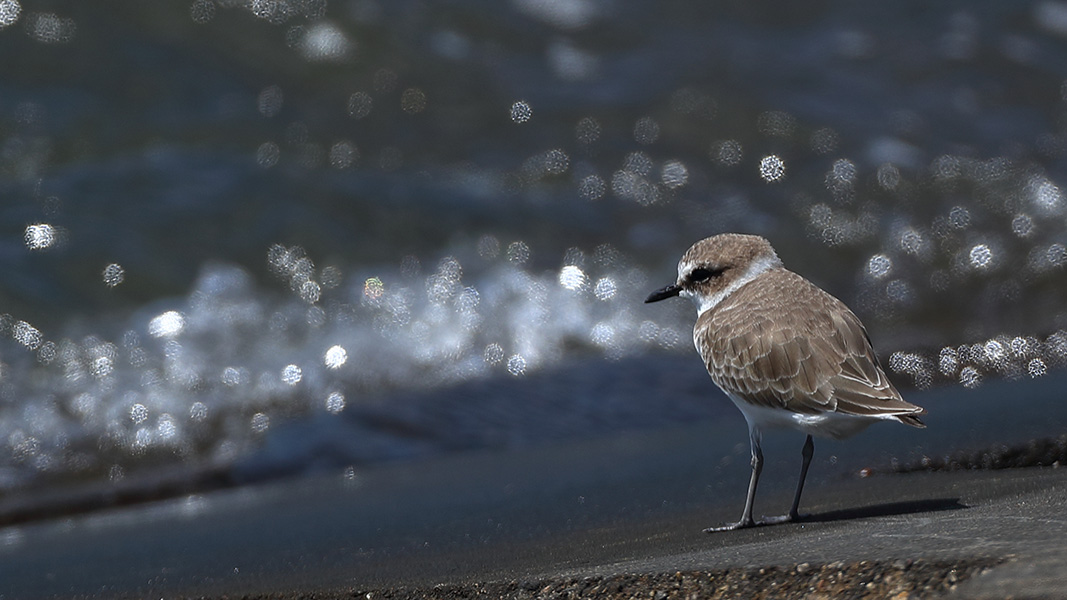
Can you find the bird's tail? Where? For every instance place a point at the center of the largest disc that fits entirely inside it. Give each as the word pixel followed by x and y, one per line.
pixel 912 419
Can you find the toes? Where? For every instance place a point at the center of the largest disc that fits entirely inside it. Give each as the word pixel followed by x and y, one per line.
pixel 731 526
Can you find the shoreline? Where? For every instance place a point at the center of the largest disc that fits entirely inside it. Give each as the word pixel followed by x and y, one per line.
pixel 627 509
pixel 976 534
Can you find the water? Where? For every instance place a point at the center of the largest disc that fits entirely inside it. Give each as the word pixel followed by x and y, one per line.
pixel 234 229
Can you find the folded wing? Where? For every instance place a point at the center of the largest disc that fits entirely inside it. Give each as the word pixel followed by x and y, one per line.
pixel 781 342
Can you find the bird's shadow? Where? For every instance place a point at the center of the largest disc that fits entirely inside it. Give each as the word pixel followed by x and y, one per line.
pixel 887 509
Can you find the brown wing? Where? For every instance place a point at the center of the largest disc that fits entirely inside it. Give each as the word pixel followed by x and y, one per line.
pixel 781 342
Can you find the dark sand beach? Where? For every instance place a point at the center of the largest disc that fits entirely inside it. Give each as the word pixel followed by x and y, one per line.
pixel 616 516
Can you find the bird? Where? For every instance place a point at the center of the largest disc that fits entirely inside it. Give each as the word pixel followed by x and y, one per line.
pixel 787 353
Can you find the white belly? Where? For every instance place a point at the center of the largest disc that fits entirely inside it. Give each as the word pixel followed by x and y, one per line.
pixel 828 424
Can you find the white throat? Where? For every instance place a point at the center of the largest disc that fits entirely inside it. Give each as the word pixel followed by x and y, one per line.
pixel 754 270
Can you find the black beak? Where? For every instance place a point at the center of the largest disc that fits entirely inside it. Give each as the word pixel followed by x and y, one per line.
pixel 668 292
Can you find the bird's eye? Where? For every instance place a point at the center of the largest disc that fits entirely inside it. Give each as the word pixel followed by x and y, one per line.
pixel 701 274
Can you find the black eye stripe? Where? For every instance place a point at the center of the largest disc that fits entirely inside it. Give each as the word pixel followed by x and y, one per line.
pixel 703 274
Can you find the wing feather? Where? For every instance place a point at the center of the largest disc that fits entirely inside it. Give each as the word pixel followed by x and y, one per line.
pixel 781 342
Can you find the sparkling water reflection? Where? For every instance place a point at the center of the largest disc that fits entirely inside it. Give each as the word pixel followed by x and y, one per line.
pixel 446 197
pixel 176 379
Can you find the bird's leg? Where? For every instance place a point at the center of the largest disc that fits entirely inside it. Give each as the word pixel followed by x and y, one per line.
pixel 807 452
pixel 757 468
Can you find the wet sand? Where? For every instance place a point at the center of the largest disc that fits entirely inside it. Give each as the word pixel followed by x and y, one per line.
pixel 615 516
pixel 980 534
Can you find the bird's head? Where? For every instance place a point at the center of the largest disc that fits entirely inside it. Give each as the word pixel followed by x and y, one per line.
pixel 715 266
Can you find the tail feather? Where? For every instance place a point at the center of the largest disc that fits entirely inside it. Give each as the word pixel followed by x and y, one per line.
pixel 912 420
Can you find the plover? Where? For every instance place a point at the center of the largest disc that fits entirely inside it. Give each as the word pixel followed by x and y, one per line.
pixel 787 353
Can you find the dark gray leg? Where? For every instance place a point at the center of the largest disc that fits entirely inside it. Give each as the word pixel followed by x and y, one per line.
pixel 807 452
pixel 750 500
pixel 757 466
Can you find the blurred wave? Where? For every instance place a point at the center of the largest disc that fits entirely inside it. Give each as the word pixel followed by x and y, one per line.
pixel 223 215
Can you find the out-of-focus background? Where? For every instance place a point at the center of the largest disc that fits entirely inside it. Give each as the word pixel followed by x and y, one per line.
pixel 256 238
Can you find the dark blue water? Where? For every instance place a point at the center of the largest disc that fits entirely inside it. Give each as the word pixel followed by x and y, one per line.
pixel 261 238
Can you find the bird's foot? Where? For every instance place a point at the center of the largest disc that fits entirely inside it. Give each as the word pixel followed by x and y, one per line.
pixel 779 519
pixel 742 524
pixel 790 518
pixel 746 523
